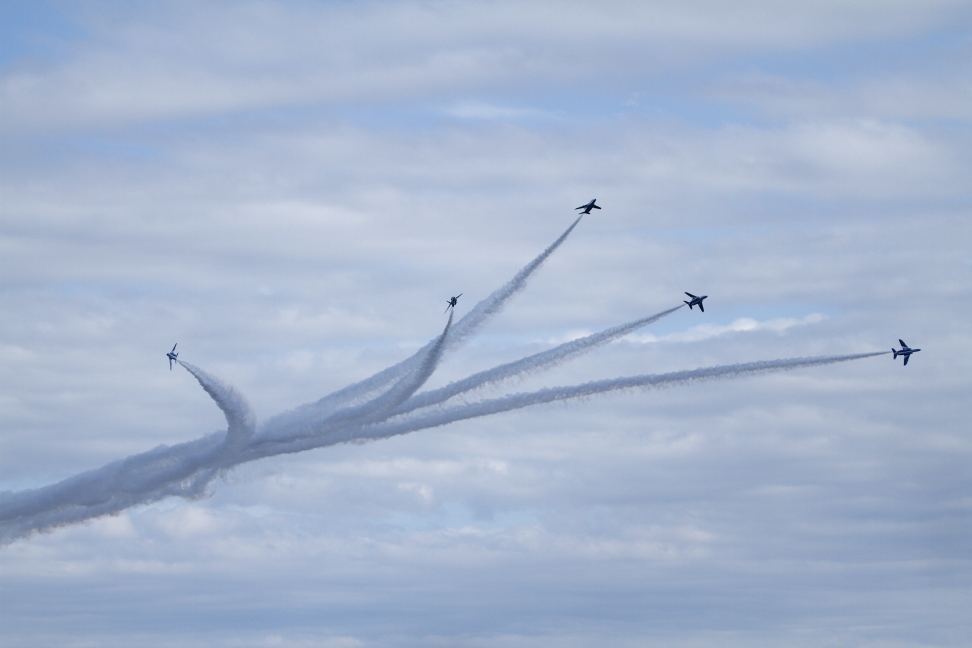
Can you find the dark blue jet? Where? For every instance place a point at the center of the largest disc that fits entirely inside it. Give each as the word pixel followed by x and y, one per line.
pixel 696 301
pixel 905 351
pixel 452 302
pixel 588 207
pixel 172 355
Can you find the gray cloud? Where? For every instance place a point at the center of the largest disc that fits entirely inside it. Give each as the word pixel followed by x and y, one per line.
pixel 188 61
pixel 290 191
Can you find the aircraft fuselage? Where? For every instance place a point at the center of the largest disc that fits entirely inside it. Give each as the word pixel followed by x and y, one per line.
pixel 588 207
pixel 696 301
pixel 905 351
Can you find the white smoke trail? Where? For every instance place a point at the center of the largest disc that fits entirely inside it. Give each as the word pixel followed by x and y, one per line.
pixel 487 308
pixel 466 326
pixel 139 479
pixel 441 417
pixel 240 419
pixel 371 411
pixel 186 468
pixel 535 362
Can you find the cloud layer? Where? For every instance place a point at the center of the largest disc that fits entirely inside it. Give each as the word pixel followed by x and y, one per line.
pixel 291 190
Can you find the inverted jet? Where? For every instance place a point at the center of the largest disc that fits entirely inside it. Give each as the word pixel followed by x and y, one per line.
pixel 696 301
pixel 172 356
pixel 452 302
pixel 905 351
pixel 588 207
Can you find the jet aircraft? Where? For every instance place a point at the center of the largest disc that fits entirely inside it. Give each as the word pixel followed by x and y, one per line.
pixel 905 351
pixel 452 302
pixel 696 301
pixel 588 207
pixel 172 355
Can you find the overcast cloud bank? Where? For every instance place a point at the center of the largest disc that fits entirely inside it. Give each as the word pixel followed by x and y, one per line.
pixel 290 190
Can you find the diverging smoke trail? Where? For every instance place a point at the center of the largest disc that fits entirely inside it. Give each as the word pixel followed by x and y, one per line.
pixel 518 401
pixel 536 362
pixel 466 326
pixel 185 469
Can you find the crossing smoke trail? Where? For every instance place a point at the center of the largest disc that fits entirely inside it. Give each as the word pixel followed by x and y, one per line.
pixel 186 469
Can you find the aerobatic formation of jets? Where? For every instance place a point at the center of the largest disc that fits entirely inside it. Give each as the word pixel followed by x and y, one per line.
pixel 905 351
pixel 387 404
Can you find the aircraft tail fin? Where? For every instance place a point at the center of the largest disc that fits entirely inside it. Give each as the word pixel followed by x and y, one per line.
pixel 689 304
pixel 895 352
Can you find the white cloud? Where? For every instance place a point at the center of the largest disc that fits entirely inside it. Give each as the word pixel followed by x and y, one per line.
pixel 478 110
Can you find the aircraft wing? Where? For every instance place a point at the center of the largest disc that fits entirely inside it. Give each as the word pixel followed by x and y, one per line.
pixel 701 307
pixel 906 358
pixel 691 295
pixel 902 343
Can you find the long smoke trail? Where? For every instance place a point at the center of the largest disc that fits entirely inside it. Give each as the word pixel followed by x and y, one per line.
pixel 518 401
pixel 139 479
pixel 466 326
pixel 552 394
pixel 187 468
pixel 536 362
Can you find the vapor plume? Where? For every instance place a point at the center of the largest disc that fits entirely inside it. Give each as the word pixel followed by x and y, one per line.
pixel 385 405
pixel 445 416
pixel 240 419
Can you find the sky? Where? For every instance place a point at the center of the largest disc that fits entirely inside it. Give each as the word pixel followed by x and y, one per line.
pixel 291 191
